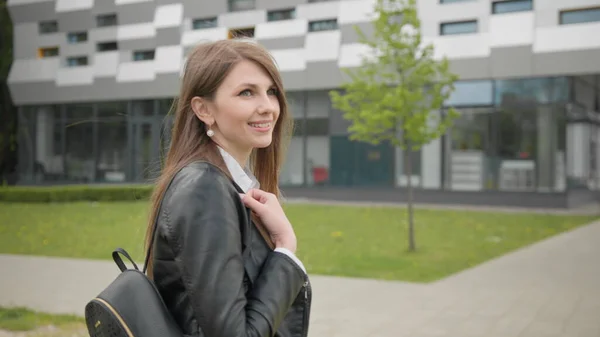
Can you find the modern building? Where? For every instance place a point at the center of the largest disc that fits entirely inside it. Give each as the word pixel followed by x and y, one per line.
pixel 94 80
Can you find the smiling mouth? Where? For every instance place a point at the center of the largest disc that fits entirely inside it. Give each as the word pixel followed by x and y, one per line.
pixel 260 125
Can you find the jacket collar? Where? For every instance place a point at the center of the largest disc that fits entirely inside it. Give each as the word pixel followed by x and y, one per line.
pixel 242 176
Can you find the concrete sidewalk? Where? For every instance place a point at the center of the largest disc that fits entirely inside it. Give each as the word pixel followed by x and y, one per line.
pixel 548 289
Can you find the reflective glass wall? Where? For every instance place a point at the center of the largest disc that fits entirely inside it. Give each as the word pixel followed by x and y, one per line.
pixel 105 142
pixel 537 134
pixel 510 135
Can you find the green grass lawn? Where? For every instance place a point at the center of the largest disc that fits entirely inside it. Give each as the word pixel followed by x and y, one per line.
pixel 335 240
pixel 21 319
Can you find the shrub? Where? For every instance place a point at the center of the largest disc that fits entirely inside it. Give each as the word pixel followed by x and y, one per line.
pixel 75 193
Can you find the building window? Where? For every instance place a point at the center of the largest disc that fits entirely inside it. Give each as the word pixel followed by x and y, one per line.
pixel 48 27
pixel 471 93
pixel 77 61
pixel 204 23
pixel 318 26
pixel 143 55
pixel 241 5
pixel 47 52
pixel 77 37
pixel 462 27
pixel 285 14
pixel 580 16
pixel 107 46
pixel 500 7
pixel 106 20
pixel 241 33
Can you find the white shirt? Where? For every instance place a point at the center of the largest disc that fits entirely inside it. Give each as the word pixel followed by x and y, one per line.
pixel 246 180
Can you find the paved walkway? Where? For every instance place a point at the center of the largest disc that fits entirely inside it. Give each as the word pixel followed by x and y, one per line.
pixel 549 289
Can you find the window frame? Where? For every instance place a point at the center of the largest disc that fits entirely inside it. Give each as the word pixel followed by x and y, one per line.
pixel 568 11
pixel 447 23
pixel 212 19
pixel 311 23
pixel 47 23
pixel 500 3
pixel 77 63
pixel 292 12
pixel 105 16
pixel 151 52
pixel 77 36
pixel 98 50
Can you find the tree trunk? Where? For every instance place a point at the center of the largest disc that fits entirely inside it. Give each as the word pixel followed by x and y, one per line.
pixel 411 230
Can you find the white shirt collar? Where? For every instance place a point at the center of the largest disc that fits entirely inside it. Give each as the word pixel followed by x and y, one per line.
pixel 242 176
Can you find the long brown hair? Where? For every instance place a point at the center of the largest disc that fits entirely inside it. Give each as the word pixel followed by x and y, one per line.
pixel 206 68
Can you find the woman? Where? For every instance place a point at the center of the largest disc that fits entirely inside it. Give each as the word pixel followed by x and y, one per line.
pixel 221 271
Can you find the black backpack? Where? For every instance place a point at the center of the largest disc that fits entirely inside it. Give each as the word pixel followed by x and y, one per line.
pixel 131 305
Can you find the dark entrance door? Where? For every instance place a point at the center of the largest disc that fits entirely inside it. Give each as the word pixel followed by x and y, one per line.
pixel 360 164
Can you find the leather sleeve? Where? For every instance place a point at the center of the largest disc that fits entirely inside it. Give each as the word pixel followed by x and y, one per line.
pixel 204 226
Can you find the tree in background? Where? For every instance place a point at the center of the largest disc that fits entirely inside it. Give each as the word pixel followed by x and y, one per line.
pixel 8 112
pixel 396 93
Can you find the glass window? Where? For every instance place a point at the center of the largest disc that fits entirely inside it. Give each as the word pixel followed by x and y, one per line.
pixel 463 27
pixel 580 16
pixel 292 169
pixel 471 93
pixel 241 5
pixel 285 14
pixel 48 52
pixel 48 27
pixel 77 61
pixel 143 55
pixel 107 46
pixel 313 127
pixel 77 37
pixel 241 33
pixel 321 25
pixel 318 104
pixel 79 131
pixel 541 90
pixel 106 20
pixel 469 150
pixel 40 144
pixel 112 142
pixel 204 23
pixel 500 7
pixel 295 100
pixel 317 159
pixel 143 108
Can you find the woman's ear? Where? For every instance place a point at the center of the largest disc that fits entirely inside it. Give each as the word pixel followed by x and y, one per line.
pixel 200 108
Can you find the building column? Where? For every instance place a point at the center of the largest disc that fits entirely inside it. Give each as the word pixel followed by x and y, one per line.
pixel 546 148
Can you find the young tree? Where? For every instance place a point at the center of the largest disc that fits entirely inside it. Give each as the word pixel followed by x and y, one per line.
pixel 396 93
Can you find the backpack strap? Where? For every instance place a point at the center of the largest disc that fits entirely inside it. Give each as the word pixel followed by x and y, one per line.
pixel 119 261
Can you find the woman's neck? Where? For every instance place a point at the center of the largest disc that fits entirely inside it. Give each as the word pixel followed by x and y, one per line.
pixel 241 157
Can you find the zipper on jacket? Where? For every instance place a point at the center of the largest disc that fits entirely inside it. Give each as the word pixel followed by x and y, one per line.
pixel 306 309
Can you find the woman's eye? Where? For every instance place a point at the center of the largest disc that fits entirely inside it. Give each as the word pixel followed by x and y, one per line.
pixel 272 91
pixel 245 93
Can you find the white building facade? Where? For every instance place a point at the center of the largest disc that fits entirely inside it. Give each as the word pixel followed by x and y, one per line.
pixel 94 80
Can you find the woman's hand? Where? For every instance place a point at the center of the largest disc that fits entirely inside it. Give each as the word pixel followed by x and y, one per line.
pixel 268 209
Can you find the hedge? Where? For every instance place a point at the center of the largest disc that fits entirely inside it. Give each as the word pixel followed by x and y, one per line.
pixel 75 193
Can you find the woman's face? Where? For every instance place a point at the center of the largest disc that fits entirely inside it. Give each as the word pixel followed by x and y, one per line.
pixel 244 110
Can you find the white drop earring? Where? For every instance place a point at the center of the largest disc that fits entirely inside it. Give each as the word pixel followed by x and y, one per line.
pixel 210 132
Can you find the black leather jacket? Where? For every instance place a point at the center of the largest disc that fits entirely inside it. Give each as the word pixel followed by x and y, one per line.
pixel 215 272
